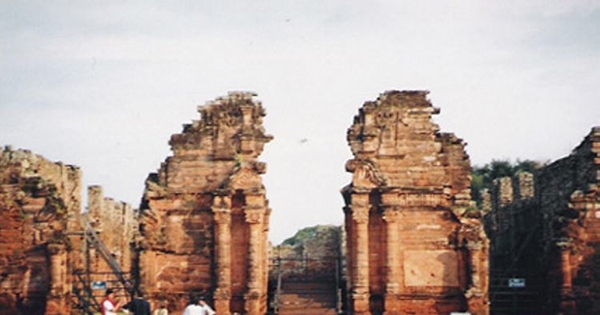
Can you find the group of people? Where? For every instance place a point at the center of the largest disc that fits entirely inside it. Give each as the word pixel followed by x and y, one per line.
pixel 140 306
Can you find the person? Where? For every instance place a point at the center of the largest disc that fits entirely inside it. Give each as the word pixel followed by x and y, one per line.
pixel 110 306
pixel 207 309
pixel 138 305
pixel 162 309
pixel 198 307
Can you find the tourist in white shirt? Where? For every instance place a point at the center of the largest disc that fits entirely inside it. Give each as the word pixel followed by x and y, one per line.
pixel 198 307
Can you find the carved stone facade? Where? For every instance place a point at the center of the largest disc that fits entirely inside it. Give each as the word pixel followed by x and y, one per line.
pixel 415 243
pixel 205 215
pixel 40 202
pixel 548 233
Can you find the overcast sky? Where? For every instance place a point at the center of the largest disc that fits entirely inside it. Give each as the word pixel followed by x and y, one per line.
pixel 104 84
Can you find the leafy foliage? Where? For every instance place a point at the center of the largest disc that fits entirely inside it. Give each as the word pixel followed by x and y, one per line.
pixel 301 236
pixel 307 233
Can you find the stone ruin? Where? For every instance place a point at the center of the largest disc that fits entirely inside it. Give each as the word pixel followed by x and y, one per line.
pixel 415 241
pixel 45 259
pixel 305 275
pixel 412 242
pixel 314 255
pixel 205 215
pixel 116 224
pixel 40 203
pixel 545 229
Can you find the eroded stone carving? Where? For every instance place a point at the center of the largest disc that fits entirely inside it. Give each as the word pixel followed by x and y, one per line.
pixel 410 238
pixel 207 214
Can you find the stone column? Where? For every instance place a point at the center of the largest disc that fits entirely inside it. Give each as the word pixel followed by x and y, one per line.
pixel 567 303
pixel 56 303
pixel 474 249
pixel 254 218
pixel 360 265
pixel 475 295
pixel 392 263
pixel 222 216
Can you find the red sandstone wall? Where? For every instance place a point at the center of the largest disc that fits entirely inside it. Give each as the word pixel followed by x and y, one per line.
pixel 415 242
pixel 205 215
pixel 42 244
pixel 40 203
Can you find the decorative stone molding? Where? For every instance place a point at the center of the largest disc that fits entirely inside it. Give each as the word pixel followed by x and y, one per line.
pixel 210 199
pixel 404 210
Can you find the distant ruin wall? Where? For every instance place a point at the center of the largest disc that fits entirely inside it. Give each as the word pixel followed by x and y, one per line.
pixel 116 224
pixel 568 197
pixel 546 229
pixel 205 215
pixel 415 243
pixel 314 257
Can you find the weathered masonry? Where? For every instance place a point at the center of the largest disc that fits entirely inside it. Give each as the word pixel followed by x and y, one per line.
pixel 545 232
pixel 205 213
pixel 415 241
pixel 39 202
pixel 305 276
pixel 47 263
pixel 116 226
pixel 412 241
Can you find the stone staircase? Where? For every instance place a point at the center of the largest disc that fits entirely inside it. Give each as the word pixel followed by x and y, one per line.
pixel 308 298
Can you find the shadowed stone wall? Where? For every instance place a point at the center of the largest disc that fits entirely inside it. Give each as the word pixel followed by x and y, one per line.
pixel 570 204
pixel 552 237
pixel 514 226
pixel 205 215
pixel 415 241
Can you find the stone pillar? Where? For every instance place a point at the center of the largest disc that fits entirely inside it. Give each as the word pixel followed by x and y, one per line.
pixel 360 266
pixel 476 297
pixel 567 283
pixel 254 218
pixel 504 194
pixel 486 200
pixel 392 264
pixel 525 186
pixel 474 253
pixel 57 303
pixel 567 303
pixel 222 216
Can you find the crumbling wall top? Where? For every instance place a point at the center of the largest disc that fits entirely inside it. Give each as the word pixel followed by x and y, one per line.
pixel 395 138
pixel 210 153
pixel 227 126
pixel 18 166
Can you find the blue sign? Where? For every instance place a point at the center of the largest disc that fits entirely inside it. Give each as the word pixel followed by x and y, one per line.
pixel 516 283
pixel 99 285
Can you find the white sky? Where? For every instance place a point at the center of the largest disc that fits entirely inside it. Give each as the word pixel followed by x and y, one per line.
pixel 104 84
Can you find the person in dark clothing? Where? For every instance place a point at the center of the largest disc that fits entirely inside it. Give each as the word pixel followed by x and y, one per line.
pixel 139 305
